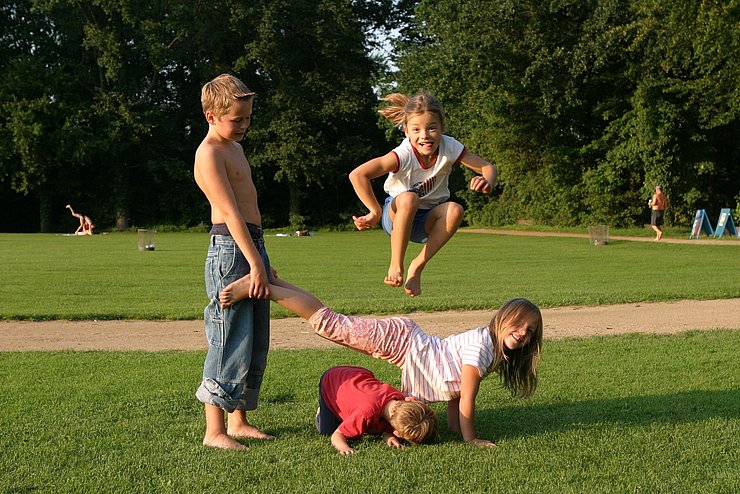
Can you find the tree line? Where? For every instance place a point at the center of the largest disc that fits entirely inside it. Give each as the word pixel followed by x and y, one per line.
pixel 584 105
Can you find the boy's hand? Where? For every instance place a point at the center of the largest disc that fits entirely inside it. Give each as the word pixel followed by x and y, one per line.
pixel 479 184
pixel 258 285
pixel 482 442
pixel 340 443
pixel 366 222
pixel 392 441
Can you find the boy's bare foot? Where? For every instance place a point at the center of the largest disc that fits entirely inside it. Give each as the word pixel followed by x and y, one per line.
pixel 248 431
pixel 394 278
pixel 222 441
pixel 234 292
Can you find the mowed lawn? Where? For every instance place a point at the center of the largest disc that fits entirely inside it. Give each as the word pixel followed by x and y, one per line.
pixel 634 413
pixel 106 277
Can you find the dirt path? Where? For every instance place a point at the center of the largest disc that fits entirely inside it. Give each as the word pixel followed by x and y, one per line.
pixel 562 322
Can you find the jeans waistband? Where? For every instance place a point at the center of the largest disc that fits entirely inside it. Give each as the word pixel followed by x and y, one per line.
pixel 221 229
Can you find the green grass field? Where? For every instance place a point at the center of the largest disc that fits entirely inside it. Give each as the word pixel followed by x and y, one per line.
pixel 635 413
pixel 106 277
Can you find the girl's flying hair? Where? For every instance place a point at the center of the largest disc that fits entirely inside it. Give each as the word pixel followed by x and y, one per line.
pixel 402 107
pixel 517 368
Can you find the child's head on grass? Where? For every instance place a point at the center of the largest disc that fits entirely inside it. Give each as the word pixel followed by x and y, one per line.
pixel 415 422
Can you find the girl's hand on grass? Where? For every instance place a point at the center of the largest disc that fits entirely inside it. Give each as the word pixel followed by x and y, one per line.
pixel 482 442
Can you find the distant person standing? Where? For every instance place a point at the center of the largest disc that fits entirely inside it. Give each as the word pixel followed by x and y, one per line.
pixel 658 203
pixel 86 225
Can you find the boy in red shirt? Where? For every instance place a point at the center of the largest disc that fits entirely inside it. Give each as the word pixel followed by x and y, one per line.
pixel 353 403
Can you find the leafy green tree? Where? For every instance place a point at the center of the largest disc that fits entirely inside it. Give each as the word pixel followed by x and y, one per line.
pixel 585 106
pixel 316 101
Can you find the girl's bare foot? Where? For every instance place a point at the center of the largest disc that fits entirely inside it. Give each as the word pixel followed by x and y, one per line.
pixel 413 280
pixel 413 286
pixel 394 278
pixel 248 431
pixel 222 441
pixel 234 292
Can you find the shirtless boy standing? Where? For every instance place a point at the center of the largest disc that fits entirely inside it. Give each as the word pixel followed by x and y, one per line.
pixel 238 337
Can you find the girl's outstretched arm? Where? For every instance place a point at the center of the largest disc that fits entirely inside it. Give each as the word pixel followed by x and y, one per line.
pixel 468 391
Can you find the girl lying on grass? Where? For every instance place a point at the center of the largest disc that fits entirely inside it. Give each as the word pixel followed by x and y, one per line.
pixel 432 369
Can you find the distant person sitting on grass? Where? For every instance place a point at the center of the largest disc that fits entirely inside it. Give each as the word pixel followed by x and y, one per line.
pixel 432 369
pixel 86 225
pixel 353 403
pixel 417 208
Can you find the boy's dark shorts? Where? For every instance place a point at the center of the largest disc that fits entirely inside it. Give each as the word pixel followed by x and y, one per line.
pixel 326 421
pixel 657 217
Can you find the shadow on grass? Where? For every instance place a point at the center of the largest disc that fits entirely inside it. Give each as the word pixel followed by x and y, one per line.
pixel 555 416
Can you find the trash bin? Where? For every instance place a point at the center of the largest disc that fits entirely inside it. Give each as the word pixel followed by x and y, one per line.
pixel 147 238
pixel 599 234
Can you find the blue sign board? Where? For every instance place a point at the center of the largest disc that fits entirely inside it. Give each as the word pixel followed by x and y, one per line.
pixel 725 222
pixel 701 222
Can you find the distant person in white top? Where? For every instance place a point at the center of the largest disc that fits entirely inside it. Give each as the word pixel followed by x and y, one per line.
pixel 417 207
pixel 432 369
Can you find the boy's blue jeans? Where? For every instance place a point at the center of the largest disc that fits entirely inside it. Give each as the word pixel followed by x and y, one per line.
pixel 239 336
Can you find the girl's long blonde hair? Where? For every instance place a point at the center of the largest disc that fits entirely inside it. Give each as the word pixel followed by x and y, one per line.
pixel 517 368
pixel 401 107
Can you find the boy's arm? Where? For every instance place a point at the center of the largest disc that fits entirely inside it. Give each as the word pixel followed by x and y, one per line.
pixel 468 391
pixel 340 443
pixel 217 188
pixel 489 173
pixel 361 178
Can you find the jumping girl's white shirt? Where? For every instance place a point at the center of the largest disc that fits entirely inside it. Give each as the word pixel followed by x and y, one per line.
pixel 430 184
pixel 432 370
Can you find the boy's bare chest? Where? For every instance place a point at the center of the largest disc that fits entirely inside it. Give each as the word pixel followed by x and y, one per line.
pixel 240 177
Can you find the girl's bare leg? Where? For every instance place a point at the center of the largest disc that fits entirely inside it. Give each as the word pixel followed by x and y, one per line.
pixel 293 298
pixel 442 223
pixel 403 211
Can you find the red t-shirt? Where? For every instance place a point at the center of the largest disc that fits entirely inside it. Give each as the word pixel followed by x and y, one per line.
pixel 355 396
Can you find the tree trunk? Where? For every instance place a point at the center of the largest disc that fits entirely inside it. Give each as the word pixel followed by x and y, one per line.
pixel 44 212
pixel 120 197
pixel 294 205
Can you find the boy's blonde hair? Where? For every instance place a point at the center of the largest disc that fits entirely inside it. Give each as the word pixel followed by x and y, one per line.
pixel 415 422
pixel 517 368
pixel 218 95
pixel 402 107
